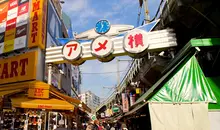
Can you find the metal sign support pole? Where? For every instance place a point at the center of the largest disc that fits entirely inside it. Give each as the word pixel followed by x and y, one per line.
pixel 49 77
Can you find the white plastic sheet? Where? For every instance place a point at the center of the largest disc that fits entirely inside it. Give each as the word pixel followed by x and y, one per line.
pixel 179 116
pixel 214 117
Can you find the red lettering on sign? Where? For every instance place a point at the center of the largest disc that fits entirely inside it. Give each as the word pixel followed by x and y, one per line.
pixel 34 27
pixel 5 71
pixel 130 41
pixel 36 6
pixel 34 35
pixel 138 38
pixel 12 72
pixel 23 63
pixel 14 69
pixel 35 18
pixel 39 92
pixel 71 46
pixel 102 46
pixel 44 106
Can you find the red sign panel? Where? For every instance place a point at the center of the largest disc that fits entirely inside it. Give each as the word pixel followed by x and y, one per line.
pixel 23 9
pixel 12 4
pixel 11 24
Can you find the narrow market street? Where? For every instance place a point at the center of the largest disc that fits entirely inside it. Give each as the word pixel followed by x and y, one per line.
pixel 109 65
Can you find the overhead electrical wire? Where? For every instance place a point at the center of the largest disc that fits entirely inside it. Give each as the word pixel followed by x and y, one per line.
pixel 106 72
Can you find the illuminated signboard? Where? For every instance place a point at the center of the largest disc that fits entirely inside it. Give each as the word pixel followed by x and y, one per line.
pixel 13 24
pixel 19 68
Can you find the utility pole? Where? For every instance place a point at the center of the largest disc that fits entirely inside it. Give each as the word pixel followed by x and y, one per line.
pixel 146 12
pixel 118 72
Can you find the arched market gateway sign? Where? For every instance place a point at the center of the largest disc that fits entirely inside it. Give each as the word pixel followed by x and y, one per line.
pixel 106 41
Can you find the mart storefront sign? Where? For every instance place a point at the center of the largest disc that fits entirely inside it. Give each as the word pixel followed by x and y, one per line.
pixel 18 68
pixel 37 35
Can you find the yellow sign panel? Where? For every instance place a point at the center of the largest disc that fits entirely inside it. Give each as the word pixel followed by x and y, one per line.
pixel 39 90
pixel 38 93
pixel 9 45
pixel 19 68
pixel 38 24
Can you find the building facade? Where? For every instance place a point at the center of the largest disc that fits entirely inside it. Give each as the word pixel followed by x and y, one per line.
pixel 27 83
pixel 75 70
pixel 90 99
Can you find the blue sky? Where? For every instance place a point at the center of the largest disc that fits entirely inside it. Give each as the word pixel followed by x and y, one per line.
pixel 84 15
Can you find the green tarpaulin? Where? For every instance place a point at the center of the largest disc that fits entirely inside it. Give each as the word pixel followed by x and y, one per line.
pixel 187 85
pixel 215 85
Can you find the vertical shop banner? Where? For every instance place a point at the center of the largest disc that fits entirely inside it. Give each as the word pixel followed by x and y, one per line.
pixel 14 15
pixel 125 105
pixel 19 68
pixel 38 20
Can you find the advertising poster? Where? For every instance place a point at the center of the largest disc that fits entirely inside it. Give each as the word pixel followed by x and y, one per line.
pixel 125 105
pixel 14 15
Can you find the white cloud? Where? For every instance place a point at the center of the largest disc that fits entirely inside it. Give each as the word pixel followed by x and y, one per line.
pixel 80 10
pixel 124 5
pixel 75 5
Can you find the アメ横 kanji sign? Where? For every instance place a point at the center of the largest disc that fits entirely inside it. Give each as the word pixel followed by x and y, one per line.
pixel 72 50
pixel 102 46
pixel 136 41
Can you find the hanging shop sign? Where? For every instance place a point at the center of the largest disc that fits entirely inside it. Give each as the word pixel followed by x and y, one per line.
pixel 103 115
pixel 108 113
pixel 14 16
pixel 125 102
pixel 107 41
pixel 93 117
pixel 37 34
pixel 39 90
pixel 116 108
pixel 18 68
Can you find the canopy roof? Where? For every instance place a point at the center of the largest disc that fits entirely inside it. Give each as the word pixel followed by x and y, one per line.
pixel 187 85
pixel 25 102
pixel 215 85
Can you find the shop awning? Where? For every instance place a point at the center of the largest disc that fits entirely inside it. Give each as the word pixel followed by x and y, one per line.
pixel 215 85
pixel 71 100
pixel 187 85
pixel 184 55
pixel 52 104
pixel 10 92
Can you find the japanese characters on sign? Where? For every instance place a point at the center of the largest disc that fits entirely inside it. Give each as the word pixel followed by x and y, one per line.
pixel 125 104
pixel 102 46
pixel 72 50
pixel 106 41
pixel 135 41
